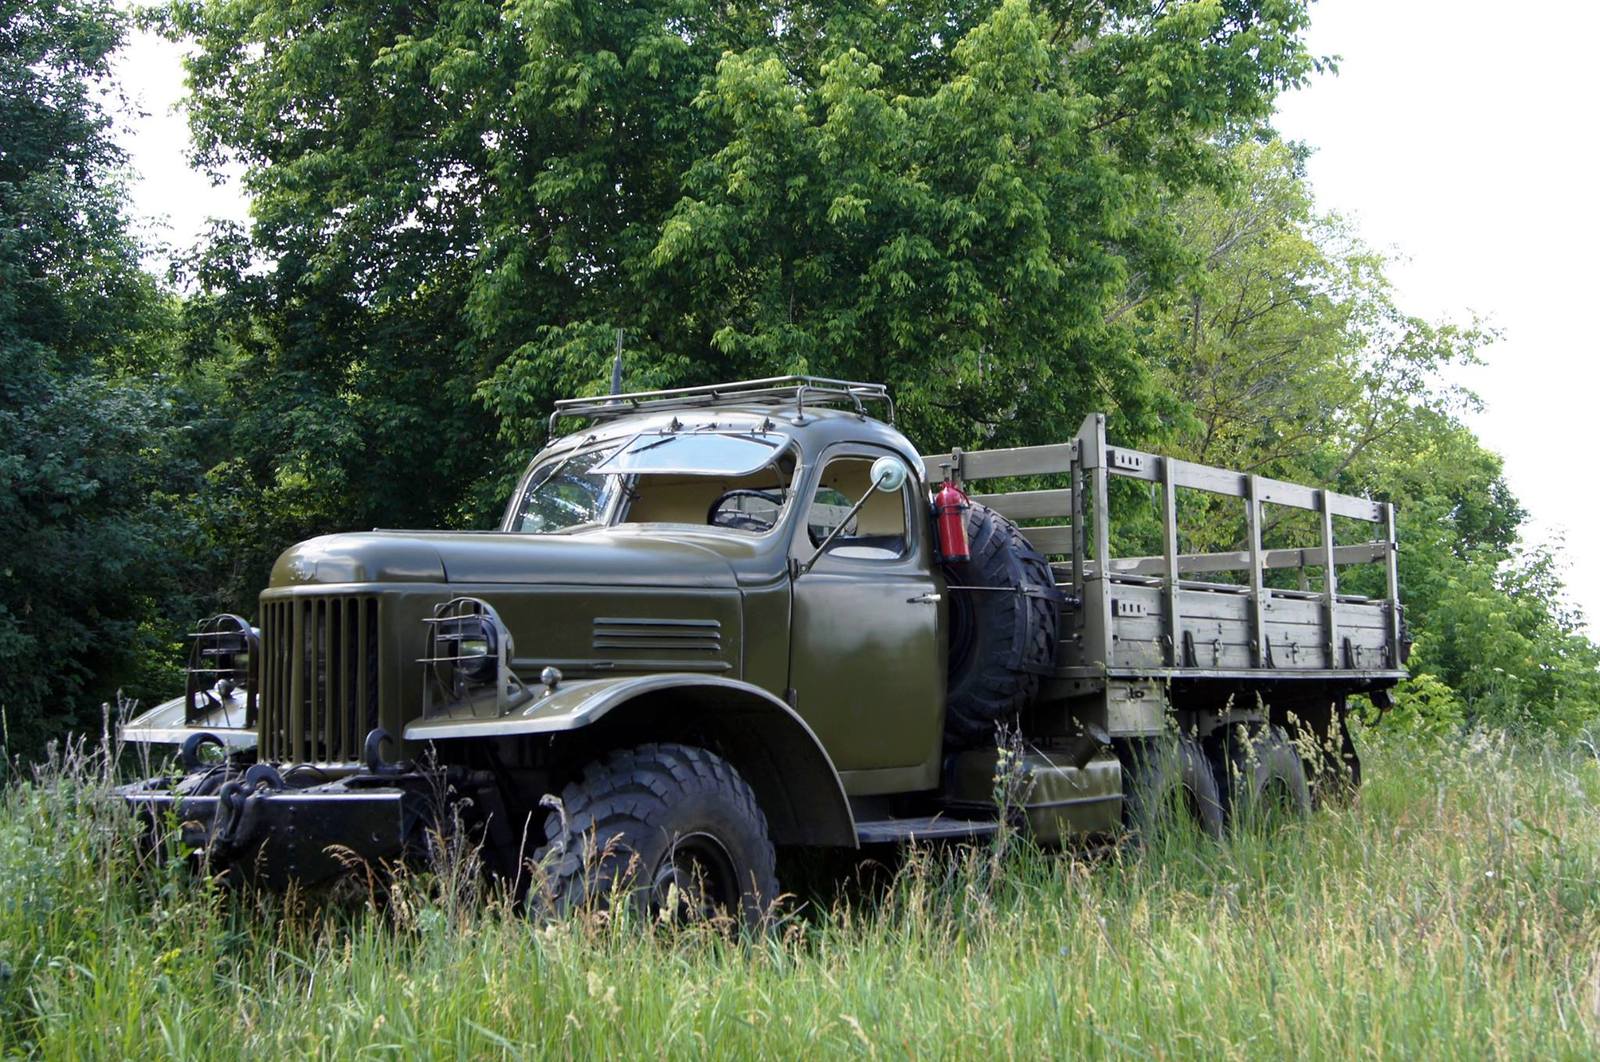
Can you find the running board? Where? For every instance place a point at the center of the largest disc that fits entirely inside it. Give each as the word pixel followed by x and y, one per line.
pixel 926 828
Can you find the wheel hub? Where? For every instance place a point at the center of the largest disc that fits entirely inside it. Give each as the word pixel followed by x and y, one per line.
pixel 695 880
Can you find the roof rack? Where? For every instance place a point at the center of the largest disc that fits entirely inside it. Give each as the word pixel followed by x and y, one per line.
pixel 772 391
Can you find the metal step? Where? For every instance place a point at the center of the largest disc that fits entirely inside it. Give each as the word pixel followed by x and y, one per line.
pixel 925 828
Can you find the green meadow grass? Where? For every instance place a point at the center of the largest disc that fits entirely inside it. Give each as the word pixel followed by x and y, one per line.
pixel 1454 910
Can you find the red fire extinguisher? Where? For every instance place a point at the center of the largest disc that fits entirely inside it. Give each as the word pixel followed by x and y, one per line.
pixel 950 518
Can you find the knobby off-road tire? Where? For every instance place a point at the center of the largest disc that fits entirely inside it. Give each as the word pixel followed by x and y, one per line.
pixel 1260 776
pixel 1000 642
pixel 661 827
pixel 1170 784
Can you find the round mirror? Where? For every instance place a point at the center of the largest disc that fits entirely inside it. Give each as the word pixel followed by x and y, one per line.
pixel 889 474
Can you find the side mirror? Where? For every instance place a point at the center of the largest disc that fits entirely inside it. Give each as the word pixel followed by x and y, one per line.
pixel 889 474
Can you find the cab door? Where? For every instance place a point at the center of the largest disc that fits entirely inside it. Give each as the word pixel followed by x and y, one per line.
pixel 866 657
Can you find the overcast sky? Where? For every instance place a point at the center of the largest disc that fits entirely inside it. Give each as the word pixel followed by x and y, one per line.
pixel 1458 137
pixel 1462 136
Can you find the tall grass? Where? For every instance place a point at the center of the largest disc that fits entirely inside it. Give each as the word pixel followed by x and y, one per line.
pixel 1455 909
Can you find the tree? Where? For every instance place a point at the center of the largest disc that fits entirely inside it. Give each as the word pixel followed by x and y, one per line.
pixel 458 199
pixel 1291 359
pixel 84 488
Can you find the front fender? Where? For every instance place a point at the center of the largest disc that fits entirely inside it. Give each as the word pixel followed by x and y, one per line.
pixel 166 723
pixel 772 747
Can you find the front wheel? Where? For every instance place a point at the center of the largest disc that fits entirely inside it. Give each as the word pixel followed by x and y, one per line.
pixel 672 830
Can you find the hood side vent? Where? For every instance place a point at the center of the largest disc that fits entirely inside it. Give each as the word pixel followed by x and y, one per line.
pixel 685 635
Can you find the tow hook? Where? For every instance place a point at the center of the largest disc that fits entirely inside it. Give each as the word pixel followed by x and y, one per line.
pixel 231 799
pixel 372 752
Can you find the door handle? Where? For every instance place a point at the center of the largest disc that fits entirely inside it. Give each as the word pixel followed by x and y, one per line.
pixel 929 598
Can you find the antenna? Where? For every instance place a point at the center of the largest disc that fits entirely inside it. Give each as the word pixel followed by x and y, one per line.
pixel 616 367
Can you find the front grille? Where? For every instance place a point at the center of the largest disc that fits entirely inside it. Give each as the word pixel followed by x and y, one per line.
pixel 319 677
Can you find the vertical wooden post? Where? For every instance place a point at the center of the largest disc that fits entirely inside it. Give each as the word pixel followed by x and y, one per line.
pixel 1330 584
pixel 1102 532
pixel 1393 572
pixel 1169 522
pixel 1258 624
pixel 1079 522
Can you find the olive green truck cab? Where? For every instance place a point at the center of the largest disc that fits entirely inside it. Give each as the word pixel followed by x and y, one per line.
pixel 719 621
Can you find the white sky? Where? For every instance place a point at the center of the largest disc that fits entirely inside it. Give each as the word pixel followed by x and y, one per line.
pixel 1462 136
pixel 1456 135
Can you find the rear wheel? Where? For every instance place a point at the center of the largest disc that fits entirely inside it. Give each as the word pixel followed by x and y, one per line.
pixel 1170 785
pixel 1260 776
pixel 1332 764
pixel 672 830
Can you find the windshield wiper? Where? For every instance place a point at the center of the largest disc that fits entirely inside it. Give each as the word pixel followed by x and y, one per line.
pixel 650 445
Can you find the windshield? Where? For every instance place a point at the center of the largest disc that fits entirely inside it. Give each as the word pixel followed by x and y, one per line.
pixel 567 492
pixel 695 453
pixel 740 482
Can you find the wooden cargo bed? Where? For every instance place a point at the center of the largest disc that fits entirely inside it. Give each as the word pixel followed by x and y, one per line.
pixel 1175 618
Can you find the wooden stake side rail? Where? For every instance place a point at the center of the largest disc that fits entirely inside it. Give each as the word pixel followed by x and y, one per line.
pixel 1119 624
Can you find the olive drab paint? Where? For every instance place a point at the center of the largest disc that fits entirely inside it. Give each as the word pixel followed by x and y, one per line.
pixel 800 627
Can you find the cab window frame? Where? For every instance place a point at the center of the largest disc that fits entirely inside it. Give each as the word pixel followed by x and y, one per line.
pixel 803 549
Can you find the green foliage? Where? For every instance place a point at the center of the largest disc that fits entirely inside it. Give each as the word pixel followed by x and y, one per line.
pixel 459 195
pixel 91 448
pixel 1454 910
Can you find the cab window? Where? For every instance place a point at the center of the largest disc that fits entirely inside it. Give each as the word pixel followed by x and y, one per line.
pixel 878 529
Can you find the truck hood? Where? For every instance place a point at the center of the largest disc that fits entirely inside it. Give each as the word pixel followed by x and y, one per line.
pixel 598 557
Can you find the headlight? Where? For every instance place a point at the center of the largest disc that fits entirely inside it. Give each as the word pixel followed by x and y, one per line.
pixel 469 657
pixel 474 644
pixel 222 658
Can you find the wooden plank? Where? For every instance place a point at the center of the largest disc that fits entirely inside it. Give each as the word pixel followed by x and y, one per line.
pixel 1356 508
pixel 1393 579
pixel 1169 542
pixel 1252 520
pixel 1204 477
pixel 1239 560
pixel 1330 584
pixel 1226 589
pixel 1278 492
pixel 1029 504
pixel 1053 540
pixel 1102 533
pixel 1371 616
pixel 992 464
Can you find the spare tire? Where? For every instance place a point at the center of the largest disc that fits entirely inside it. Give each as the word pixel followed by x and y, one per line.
pixel 1000 642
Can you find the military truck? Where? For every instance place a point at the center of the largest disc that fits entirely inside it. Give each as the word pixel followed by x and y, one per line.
pixel 719 621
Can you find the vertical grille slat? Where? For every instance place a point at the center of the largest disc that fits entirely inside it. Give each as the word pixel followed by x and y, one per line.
pixel 317 665
pixel 319 694
pixel 265 671
pixel 338 662
pixel 286 673
pixel 297 676
pixel 368 659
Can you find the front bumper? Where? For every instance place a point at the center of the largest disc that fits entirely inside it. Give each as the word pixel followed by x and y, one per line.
pixel 253 827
